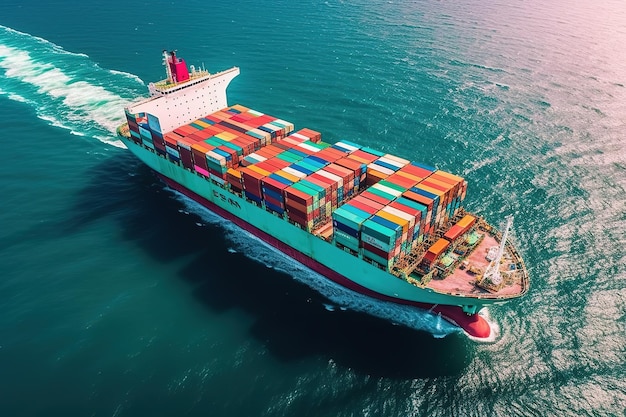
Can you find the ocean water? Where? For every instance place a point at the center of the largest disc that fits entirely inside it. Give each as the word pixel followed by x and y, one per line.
pixel 120 298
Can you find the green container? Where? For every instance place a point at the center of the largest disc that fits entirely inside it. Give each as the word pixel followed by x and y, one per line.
pixel 288 157
pixel 392 185
pixel 382 194
pixel 299 186
pixel 321 191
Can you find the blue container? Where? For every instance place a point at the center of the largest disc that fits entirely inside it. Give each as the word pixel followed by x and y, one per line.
pixel 388 224
pixel 301 169
pixel 424 166
pixel 301 155
pixel 223 153
pixel 345 228
pixel 386 165
pixel 425 193
pixel 272 207
pixel 272 194
pixel 280 178
pixel 340 148
pixel 252 197
pixel 153 123
pixel 320 161
pixel 373 151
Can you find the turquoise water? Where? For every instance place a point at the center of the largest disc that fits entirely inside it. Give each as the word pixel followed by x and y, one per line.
pixel 119 298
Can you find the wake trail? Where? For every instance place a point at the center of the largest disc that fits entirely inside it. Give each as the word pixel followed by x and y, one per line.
pixel 65 89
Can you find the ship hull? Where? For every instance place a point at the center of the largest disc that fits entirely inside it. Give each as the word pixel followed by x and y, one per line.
pixel 311 251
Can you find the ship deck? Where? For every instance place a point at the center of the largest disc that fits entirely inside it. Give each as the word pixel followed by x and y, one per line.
pixel 460 281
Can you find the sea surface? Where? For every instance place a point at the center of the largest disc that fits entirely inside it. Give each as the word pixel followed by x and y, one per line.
pixel 119 297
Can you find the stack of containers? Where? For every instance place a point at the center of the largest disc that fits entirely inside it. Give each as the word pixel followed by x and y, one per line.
pixel 453 198
pixel 434 252
pixel 460 228
pixel 336 186
pixel 171 147
pixel 419 211
pixel 365 158
pixel 308 134
pixel 133 125
pixel 359 170
pixel 273 187
pixel 381 240
pixel 234 178
pixel 347 180
pixel 299 205
pixel 145 129
pixel 347 222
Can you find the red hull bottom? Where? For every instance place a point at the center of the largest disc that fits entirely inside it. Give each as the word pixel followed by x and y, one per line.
pixel 474 325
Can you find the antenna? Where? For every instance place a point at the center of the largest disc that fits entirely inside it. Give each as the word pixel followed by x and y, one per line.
pixel 493 270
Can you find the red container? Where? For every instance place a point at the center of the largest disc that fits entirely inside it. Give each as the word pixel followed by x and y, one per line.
pixel 326 180
pixel 333 153
pixel 297 207
pixel 364 155
pixel 417 171
pixel 264 153
pixel 298 196
pixel 454 232
pixel 419 199
pixel 377 251
pixel 436 186
pixel 364 200
pixel 380 200
pixel 267 166
pixel 313 136
pixel 277 163
pixel 342 172
pixel 304 150
pixel 212 118
pixel 199 155
pixel 251 180
pixel 361 206
pixel 273 201
pixel 410 210
pixel 354 166
pixel 401 181
pixel 272 184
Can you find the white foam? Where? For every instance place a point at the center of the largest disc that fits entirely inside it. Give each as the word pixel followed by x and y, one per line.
pixel 128 75
pixel 68 101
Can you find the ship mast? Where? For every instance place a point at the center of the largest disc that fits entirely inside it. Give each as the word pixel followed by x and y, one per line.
pixel 493 270
pixel 168 69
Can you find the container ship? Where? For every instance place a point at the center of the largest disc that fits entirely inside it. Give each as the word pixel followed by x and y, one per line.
pixel 373 222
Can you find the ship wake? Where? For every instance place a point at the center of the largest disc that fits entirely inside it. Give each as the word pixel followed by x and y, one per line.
pixel 65 89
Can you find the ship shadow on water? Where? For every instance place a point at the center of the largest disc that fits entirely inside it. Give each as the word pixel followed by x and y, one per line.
pixel 290 318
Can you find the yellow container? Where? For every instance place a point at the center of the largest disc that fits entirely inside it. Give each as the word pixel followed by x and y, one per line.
pixel 227 136
pixel 466 221
pixel 234 172
pixel 259 170
pixel 453 177
pixel 395 219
